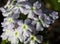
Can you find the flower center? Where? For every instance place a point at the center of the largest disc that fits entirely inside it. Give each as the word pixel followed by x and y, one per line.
pixel 10 20
pixel 25 27
pixel 33 38
pixel 16 33
pixel 33 8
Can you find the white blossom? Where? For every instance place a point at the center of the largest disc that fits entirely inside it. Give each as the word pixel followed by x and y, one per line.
pixel 34 39
pixel 6 33
pixel 32 10
pixel 8 22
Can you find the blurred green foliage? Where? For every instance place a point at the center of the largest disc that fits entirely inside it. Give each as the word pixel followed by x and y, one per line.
pixel 58 1
pixel 5 42
pixel 54 3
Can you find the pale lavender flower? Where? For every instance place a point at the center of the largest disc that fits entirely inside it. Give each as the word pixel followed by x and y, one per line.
pixel 6 33
pixel 25 29
pixel 32 10
pixel 8 22
pixel 36 22
pixel 15 12
pixel 15 37
pixel 54 15
pixel 45 20
pixel 5 14
pixel 34 39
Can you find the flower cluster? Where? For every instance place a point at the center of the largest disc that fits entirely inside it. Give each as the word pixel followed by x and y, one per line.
pixel 23 19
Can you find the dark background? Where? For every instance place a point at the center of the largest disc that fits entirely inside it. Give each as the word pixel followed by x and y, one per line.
pixel 1 20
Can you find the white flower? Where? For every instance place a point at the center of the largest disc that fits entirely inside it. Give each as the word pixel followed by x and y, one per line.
pixel 54 15
pixel 14 38
pixel 36 22
pixel 5 14
pixel 23 25
pixel 12 13
pixel 45 20
pixel 20 6
pixel 34 39
pixel 12 35
pixel 32 10
pixel 6 33
pixel 15 12
pixel 25 30
pixel 8 22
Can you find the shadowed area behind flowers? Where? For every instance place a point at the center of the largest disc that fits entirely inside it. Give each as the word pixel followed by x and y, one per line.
pixel 52 34
pixel 1 20
pixel 3 2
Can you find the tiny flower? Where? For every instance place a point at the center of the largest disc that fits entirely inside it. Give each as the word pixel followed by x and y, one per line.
pixel 23 25
pixel 20 6
pixel 6 33
pixel 8 22
pixel 15 36
pixel 36 22
pixel 49 16
pixel 32 10
pixel 34 39
pixel 25 30
pixel 45 20
pixel 15 12
pixel 54 15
